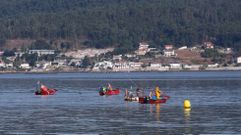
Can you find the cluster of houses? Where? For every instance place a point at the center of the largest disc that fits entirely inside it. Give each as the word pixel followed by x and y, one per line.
pixel 122 62
pixel 140 66
pixel 118 64
pixel 24 65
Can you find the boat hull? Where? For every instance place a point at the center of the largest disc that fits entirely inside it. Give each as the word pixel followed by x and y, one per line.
pixel 110 92
pixel 46 92
pixel 132 99
pixel 146 100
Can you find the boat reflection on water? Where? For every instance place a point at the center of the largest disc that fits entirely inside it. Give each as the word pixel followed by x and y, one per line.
pixel 157 108
pixel 187 116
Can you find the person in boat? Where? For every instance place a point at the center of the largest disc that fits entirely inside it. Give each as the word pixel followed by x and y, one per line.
pixel 139 92
pixel 130 96
pixel 155 95
pixel 158 93
pixel 152 95
pixel 109 87
pixel 103 89
pixel 38 88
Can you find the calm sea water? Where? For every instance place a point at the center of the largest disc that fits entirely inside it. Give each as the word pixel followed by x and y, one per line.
pixel 78 109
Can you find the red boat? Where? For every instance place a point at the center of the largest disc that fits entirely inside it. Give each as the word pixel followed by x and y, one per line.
pixel 147 100
pixel 110 92
pixel 45 91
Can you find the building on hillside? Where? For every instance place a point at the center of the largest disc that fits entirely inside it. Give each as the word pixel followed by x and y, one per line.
pixel 135 65
pixel 19 54
pixel 213 65
pixel 103 65
pixel 228 51
pixel 42 52
pixel 1 53
pixel 239 60
pixel 117 57
pixel 12 58
pixel 130 55
pixel 192 67
pixel 9 65
pixel 121 66
pixel 59 63
pixel 208 45
pixel 143 48
pixel 182 48
pixel 169 53
pixel 157 67
pixel 25 66
pixel 2 64
pixel 168 47
pixel 175 66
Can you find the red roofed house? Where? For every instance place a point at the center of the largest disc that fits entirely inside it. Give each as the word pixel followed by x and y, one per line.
pixel 208 45
pixel 168 47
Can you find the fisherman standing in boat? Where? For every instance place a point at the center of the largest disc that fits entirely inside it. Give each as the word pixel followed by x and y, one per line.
pixel 38 88
pixel 158 93
pixel 139 92
pixel 155 95
pixel 109 87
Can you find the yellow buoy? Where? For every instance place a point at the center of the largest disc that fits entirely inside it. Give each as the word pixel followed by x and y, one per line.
pixel 187 103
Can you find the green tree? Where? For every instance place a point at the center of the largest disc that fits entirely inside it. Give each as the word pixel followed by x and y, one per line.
pixel 86 62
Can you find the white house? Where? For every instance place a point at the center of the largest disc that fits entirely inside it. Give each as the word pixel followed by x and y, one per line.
pixel 9 65
pixel 169 53
pixel 176 66
pixel 25 66
pixel 121 66
pixel 239 60
pixel 2 64
pixel 42 52
pixel 182 48
pixel 135 65
pixel 208 45
pixel 213 65
pixel 130 55
pixel 143 48
pixel 117 57
pixel 192 67
pixel 19 54
pixel 59 63
pixel 103 65
pixel 1 53
pixel 158 67
pixel 155 65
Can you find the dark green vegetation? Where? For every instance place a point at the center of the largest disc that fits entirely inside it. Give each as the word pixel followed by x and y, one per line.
pixel 124 23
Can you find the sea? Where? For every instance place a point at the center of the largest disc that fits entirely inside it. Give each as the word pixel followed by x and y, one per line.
pixel 77 108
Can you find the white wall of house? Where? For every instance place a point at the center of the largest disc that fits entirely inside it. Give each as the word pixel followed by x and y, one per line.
pixel 25 66
pixel 175 66
pixel 2 65
pixel 169 53
pixel 42 52
pixel 239 60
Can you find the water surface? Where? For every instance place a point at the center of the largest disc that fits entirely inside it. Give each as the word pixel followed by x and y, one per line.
pixel 78 109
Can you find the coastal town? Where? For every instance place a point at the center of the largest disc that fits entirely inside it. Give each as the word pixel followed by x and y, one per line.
pixel 205 56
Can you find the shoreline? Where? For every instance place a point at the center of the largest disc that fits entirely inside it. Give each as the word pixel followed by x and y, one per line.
pixel 144 71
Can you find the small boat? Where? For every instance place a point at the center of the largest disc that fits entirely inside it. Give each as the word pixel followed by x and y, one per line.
pixel 147 100
pixel 110 92
pixel 45 91
pixel 131 98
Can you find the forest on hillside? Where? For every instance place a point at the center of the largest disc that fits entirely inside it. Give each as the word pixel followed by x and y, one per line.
pixel 124 23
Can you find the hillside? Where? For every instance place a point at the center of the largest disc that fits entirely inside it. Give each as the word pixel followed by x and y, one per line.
pixel 123 23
